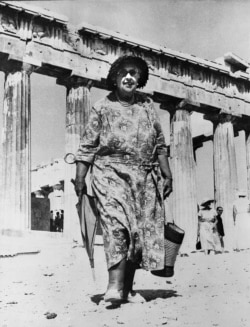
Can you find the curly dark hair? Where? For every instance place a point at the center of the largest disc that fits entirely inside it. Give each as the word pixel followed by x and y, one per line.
pixel 139 62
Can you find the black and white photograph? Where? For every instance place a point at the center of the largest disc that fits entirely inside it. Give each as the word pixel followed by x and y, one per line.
pixel 125 163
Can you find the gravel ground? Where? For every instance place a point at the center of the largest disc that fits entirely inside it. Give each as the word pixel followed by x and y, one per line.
pixel 50 284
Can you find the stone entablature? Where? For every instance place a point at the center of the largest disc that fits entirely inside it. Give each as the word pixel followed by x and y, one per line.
pixel 46 41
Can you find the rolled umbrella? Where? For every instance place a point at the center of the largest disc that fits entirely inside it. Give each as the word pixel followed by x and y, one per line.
pixel 88 222
pixel 88 215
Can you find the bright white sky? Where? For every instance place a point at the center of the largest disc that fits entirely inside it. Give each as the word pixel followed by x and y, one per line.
pixel 205 28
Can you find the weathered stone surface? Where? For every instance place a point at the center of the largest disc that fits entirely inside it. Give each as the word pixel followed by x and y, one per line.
pixel 46 38
pixel 184 198
pixel 15 152
pixel 248 161
pixel 77 112
pixel 33 38
pixel 225 172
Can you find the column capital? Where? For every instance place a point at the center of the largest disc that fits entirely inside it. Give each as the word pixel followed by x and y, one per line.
pixel 221 117
pixel 16 63
pixel 74 81
pixel 28 68
pixel 24 67
pixel 172 105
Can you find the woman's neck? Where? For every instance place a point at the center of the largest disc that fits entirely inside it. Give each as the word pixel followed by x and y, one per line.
pixel 124 98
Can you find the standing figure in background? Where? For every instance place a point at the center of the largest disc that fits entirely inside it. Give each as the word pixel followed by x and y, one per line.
pixel 124 146
pixel 61 221
pixel 51 221
pixel 207 227
pixel 219 226
pixel 57 222
pixel 241 216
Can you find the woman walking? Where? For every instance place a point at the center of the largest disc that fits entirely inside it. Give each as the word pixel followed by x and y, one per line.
pixel 124 146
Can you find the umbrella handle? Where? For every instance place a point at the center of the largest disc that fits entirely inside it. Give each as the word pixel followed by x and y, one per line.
pixel 70 158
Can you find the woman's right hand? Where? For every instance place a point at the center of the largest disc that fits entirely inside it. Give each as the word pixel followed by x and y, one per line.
pixel 79 182
pixel 80 186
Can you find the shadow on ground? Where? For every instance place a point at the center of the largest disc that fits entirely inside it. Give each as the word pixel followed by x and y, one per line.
pixel 148 295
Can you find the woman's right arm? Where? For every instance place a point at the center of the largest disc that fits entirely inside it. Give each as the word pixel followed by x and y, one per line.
pixel 81 171
pixel 88 147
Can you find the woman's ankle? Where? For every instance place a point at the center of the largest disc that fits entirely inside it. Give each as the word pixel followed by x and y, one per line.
pixel 116 276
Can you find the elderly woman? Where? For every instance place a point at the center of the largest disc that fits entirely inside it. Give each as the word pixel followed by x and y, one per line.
pixel 123 145
pixel 207 230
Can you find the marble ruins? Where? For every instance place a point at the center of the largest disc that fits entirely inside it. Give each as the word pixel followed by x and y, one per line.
pixel 36 41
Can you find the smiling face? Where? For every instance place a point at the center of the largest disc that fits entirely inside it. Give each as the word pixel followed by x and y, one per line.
pixel 127 80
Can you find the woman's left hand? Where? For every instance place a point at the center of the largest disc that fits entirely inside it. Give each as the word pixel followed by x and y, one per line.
pixel 167 187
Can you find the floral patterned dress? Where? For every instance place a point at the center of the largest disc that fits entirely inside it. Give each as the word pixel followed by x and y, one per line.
pixel 122 143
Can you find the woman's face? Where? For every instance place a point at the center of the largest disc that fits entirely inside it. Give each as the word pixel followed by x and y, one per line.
pixel 127 79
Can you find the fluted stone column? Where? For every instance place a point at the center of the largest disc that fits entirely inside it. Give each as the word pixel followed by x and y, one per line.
pixel 248 161
pixel 184 197
pixel 77 112
pixel 15 153
pixel 225 173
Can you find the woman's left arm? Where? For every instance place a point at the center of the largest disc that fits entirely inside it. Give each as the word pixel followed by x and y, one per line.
pixel 166 174
pixel 161 151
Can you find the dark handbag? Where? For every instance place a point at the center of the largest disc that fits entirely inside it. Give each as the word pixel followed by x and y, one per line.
pixel 173 239
pixel 198 244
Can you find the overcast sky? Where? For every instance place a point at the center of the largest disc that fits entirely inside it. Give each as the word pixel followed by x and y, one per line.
pixel 205 28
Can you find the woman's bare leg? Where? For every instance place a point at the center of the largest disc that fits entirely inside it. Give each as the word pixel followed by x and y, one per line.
pixel 116 282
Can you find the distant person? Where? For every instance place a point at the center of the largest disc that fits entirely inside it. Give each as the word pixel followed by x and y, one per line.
pixel 61 221
pixel 241 216
pixel 51 221
pixel 207 227
pixel 219 226
pixel 57 222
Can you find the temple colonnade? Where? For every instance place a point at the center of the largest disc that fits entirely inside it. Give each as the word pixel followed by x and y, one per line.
pixel 15 165
pixel 41 43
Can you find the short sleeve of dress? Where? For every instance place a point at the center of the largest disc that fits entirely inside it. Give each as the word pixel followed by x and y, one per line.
pixel 89 143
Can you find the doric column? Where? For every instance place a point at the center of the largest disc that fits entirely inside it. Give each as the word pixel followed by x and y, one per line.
pixel 248 161
pixel 225 172
pixel 15 152
pixel 184 197
pixel 77 112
